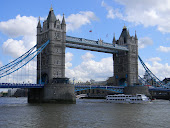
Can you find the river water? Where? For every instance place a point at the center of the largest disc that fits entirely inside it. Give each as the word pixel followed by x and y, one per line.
pixel 86 113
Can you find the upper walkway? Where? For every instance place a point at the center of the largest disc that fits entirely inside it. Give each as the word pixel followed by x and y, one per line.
pixel 99 46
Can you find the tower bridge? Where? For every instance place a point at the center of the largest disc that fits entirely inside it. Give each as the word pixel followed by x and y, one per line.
pixel 51 62
pixel 51 44
pixel 124 50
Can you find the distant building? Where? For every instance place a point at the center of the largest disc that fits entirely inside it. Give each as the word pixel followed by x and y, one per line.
pixel 149 80
pixel 166 80
pixel 146 76
pixel 110 81
pixel 4 94
pixel 11 91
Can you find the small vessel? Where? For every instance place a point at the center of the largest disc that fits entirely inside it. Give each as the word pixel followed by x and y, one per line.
pixel 122 98
pixel 81 96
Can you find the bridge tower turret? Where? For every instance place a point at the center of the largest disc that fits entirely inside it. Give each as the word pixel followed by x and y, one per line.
pixel 63 24
pixel 126 63
pixel 114 40
pixel 39 27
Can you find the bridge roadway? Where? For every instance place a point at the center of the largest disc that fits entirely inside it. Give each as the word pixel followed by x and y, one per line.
pixel 77 88
pixel 159 89
pixel 99 46
pixel 118 89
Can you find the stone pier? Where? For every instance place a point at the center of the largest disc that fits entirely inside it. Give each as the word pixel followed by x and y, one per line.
pixel 133 90
pixel 52 93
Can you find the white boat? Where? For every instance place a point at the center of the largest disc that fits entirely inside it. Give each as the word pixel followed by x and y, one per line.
pixel 122 98
pixel 81 96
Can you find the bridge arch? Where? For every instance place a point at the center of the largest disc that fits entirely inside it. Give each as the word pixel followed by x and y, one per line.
pixel 122 82
pixel 44 78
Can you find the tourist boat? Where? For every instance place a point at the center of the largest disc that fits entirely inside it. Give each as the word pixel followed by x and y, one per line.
pixel 122 98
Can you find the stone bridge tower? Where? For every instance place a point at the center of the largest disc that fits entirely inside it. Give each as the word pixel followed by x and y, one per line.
pixel 51 64
pixel 52 58
pixel 126 63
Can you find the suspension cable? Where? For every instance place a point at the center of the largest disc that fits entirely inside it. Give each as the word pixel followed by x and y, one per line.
pixel 39 50
pixel 151 74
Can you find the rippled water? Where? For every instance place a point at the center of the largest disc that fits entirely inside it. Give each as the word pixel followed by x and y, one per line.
pixel 17 113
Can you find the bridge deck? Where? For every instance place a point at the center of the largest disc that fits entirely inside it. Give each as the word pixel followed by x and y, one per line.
pixel 77 87
pixel 160 89
pixel 97 86
pixel 16 85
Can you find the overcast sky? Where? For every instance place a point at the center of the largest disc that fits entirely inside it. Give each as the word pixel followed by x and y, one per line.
pixel 150 19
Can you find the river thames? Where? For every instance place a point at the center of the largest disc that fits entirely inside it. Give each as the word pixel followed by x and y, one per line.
pixel 86 113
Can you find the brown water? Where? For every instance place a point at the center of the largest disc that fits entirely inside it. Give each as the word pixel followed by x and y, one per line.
pixel 17 113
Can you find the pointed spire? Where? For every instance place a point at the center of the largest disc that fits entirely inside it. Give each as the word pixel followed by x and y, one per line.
pixel 51 9
pixel 125 32
pixel 124 27
pixel 135 35
pixel 63 21
pixel 51 16
pixel 63 24
pixel 39 24
pixel 114 38
pixel 128 33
